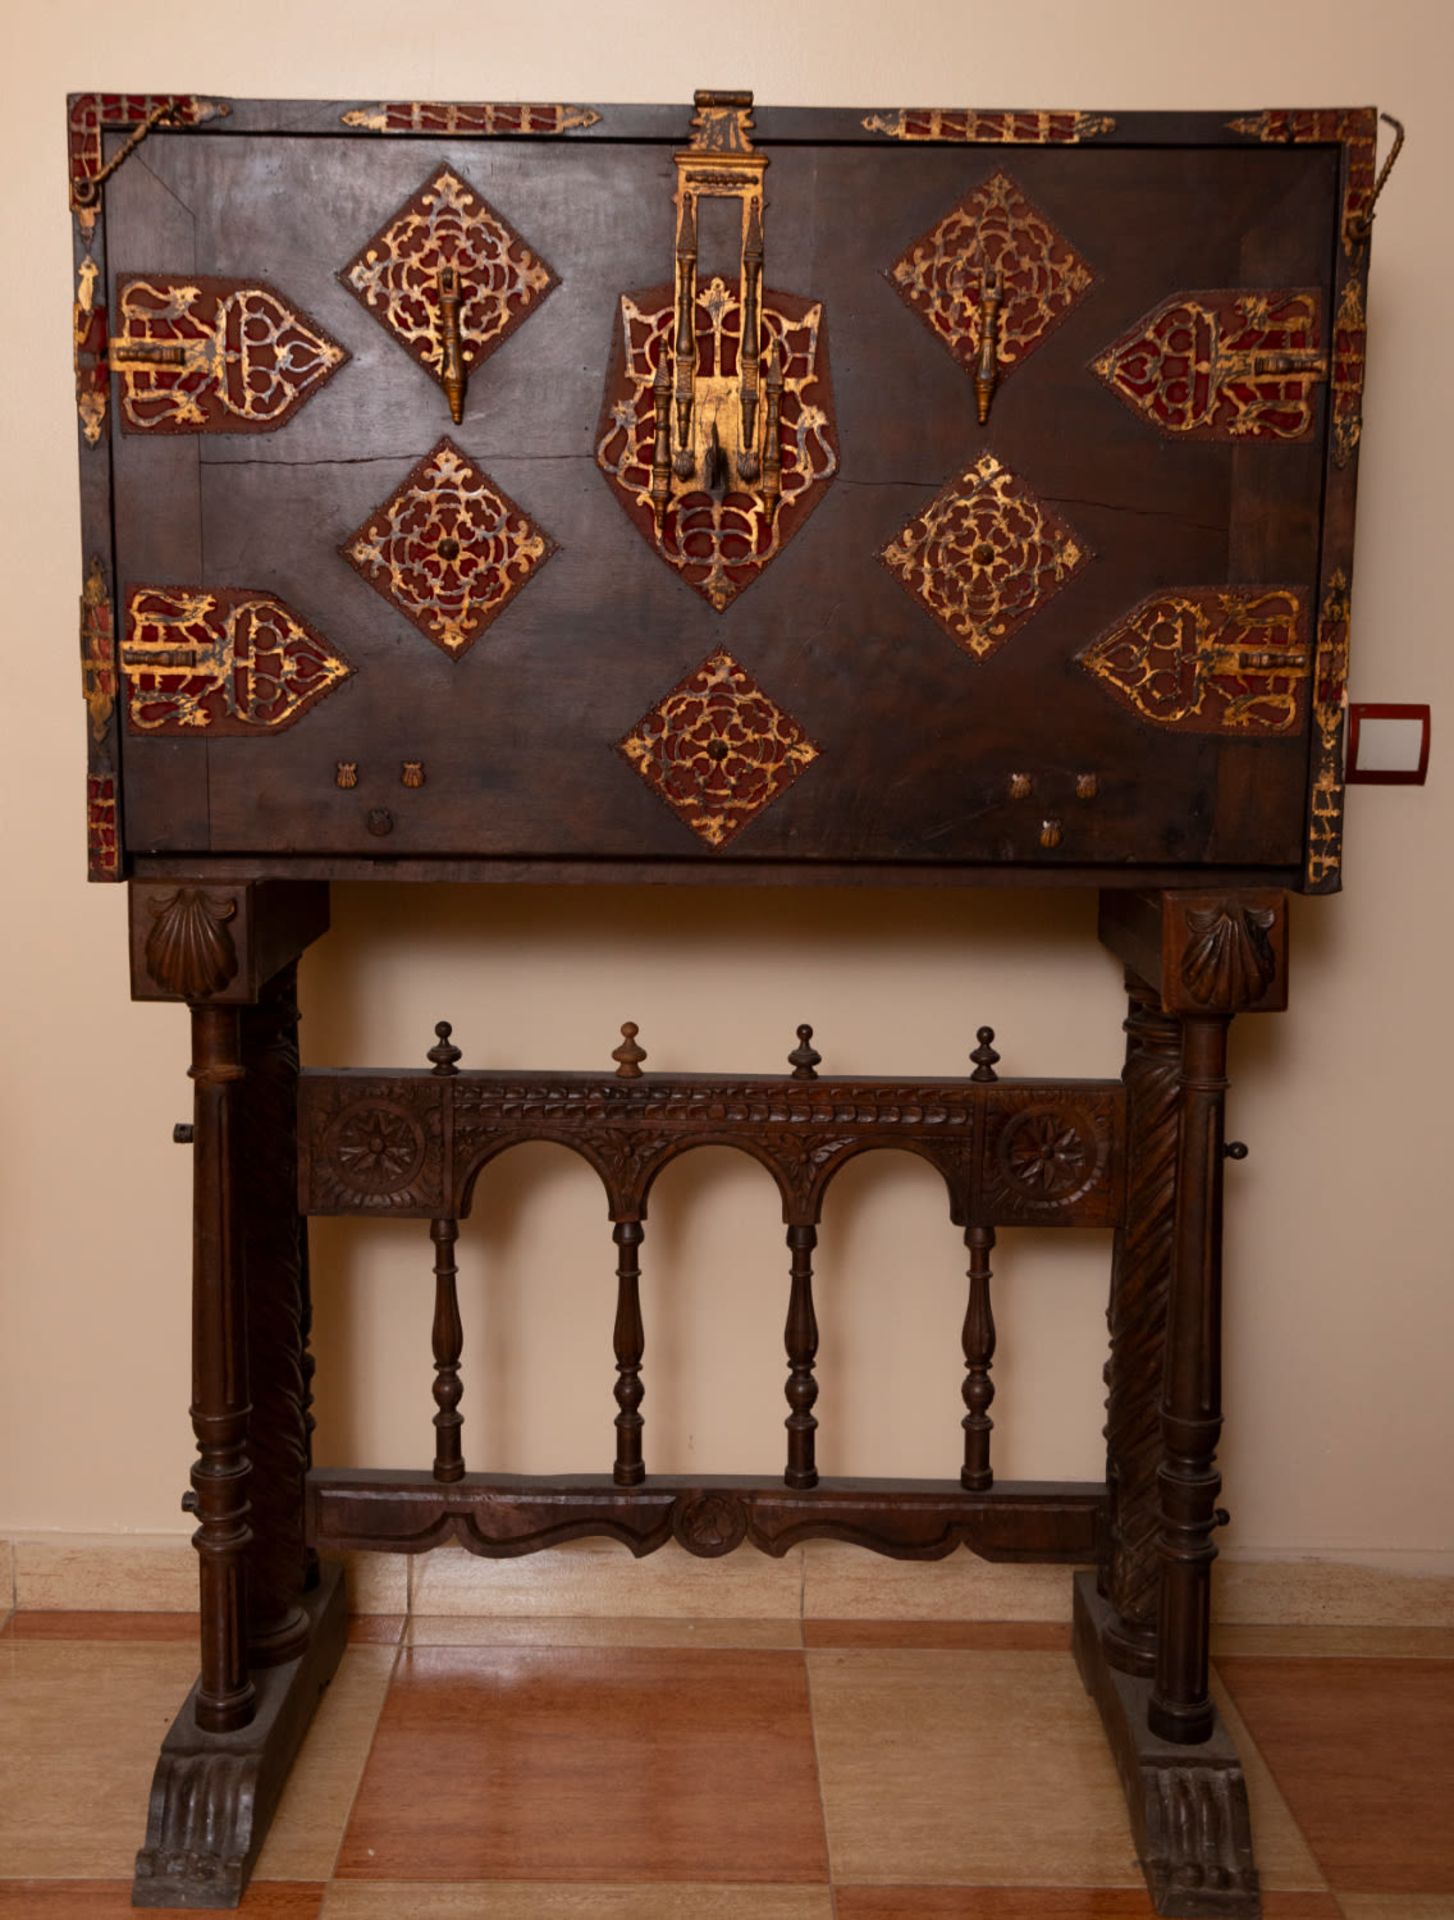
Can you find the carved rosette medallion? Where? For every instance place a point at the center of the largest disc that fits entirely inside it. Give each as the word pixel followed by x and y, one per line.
pixel 449 549
pixel 448 227
pixel 1032 129
pixel 984 556
pixel 1045 1155
pixel 720 537
pixel 375 1148
pixel 190 949
pixel 221 661
pixel 709 1524
pixel 1223 365
pixel 718 749
pixel 477 118
pixel 214 356
pixel 997 233
pixel 1229 660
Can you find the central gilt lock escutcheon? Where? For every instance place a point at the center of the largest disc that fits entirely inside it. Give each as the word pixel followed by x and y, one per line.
pixel 716 427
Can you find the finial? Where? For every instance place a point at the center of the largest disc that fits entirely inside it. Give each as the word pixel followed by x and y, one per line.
pixel 984 1056
pixel 628 1056
pixel 443 1054
pixel 804 1058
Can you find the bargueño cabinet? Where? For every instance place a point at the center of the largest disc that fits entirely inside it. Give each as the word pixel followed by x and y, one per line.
pixel 592 494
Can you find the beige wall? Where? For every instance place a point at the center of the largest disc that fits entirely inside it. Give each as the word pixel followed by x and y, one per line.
pixel 1341 1307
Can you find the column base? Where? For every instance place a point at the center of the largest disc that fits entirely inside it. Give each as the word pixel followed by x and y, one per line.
pixel 213 1795
pixel 1188 1805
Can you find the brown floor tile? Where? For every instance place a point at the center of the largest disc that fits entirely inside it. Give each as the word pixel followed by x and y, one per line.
pixel 111 1900
pixel 1363 1752
pixel 1042 1903
pixel 307 1830
pixel 577 1764
pixel 522 1900
pixel 989 1769
pixel 461 1630
pixel 1396 1906
pixel 1304 1643
pixel 992 1636
pixel 1283 1856
pixel 80 1725
pixel 140 1627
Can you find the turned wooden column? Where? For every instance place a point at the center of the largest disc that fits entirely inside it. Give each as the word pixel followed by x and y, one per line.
pixel 1197 959
pixel 1130 1577
pixel 219 1375
pixel 1191 1410
pixel 273 1240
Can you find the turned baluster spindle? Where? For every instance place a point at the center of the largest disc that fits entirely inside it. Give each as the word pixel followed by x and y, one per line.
pixel 448 1328
pixel 976 1475
pixel 630 1342
pixel 801 1340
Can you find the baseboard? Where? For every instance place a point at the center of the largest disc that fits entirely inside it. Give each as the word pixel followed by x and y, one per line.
pixel 823 1580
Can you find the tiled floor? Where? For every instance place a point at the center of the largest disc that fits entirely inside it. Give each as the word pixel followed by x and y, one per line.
pixel 589 1769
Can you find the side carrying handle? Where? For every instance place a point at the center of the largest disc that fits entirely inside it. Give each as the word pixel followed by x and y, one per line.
pixel 1360 228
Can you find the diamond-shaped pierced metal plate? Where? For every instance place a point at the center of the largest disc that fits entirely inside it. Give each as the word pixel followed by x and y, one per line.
pixel 984 556
pixel 996 230
pixel 449 549
pixel 448 224
pixel 718 749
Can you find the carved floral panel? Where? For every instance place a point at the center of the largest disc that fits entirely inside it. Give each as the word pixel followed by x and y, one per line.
pixel 214 356
pixel 718 749
pixel 446 224
pixel 984 556
pixel 1231 660
pixel 719 540
pixel 449 549
pixel 221 661
pixel 1223 366
pixel 995 231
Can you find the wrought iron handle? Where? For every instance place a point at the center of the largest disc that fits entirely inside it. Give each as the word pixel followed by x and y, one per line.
pixel 87 193
pixel 452 368
pixel 1360 228
pixel 987 373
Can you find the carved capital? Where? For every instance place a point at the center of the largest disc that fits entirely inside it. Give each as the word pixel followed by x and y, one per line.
pixel 190 950
pixel 1208 952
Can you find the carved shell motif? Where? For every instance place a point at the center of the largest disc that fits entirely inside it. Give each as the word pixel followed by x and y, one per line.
pixel 189 951
pixel 1229 959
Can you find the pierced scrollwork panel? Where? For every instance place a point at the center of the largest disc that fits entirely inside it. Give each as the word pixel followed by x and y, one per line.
pixel 718 749
pixel 221 661
pixel 1350 351
pixel 449 548
pixel 984 556
pixel 1330 706
pixel 444 229
pixel 1228 660
pixel 719 537
pixel 994 244
pixel 214 356
pixel 1224 365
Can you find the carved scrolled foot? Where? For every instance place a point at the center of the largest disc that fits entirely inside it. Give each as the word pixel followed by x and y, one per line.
pixel 213 1795
pixel 1188 1804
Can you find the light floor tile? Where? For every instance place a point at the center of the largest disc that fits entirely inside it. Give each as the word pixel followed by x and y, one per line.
pixel 600 1578
pixel 464 1630
pixel 527 1900
pixel 80 1726
pixel 1283 1857
pixel 1329 1593
pixel 1311 1643
pixel 7 1577
pixel 307 1830
pixel 376 1582
pixel 986 1768
pixel 140 1573
pixel 842 1582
